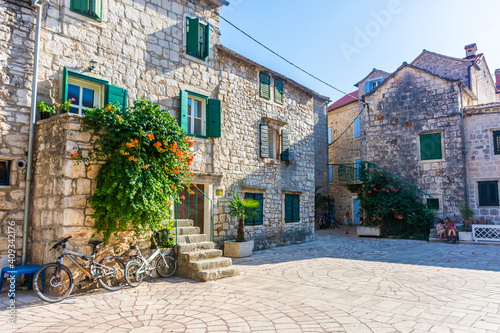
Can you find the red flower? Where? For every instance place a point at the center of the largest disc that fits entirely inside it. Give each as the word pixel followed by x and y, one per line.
pixel 176 171
pixel 183 198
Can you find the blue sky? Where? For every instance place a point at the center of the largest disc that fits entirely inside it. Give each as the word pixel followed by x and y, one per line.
pixel 341 41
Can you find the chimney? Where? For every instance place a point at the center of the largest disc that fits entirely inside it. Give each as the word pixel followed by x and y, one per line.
pixel 497 77
pixel 470 50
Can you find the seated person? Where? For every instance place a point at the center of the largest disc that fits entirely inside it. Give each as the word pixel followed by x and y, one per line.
pixel 452 229
pixel 441 230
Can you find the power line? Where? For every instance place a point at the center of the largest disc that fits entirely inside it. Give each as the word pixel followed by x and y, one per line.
pixel 352 122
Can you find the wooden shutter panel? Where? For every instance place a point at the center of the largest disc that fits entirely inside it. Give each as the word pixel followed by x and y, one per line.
pixel 357 128
pixel 285 145
pixel 296 208
pixel 80 5
pixel 98 9
pixel 264 141
pixel 288 208
pixel 259 220
pixel 430 146
pixel 368 86
pixel 249 220
pixel 483 194
pixel 192 35
pixel 496 142
pixel 207 41
pixel 213 118
pixel 116 95
pixel 278 91
pixel 183 110
pixel 64 85
pixel 265 86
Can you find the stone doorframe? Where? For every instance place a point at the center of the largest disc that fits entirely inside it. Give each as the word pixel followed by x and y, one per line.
pixel 209 181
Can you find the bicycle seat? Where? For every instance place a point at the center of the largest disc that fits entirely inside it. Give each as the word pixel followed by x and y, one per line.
pixel 95 242
pixel 138 246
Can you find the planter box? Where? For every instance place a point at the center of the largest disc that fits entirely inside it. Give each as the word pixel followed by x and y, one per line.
pixel 238 249
pixel 465 236
pixel 368 231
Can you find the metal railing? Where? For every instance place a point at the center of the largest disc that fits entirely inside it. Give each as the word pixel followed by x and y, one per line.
pixel 490 233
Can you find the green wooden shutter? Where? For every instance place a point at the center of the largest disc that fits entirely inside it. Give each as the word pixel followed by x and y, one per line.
pixel 265 86
pixel 496 142
pixel 483 193
pixel 430 146
pixel 264 141
pixel 285 146
pixel 80 5
pixel 116 95
pixel 183 110
pixel 296 208
pixel 259 220
pixel 64 85
pixel 207 41
pixel 250 220
pixel 213 118
pixel 288 208
pixel 98 9
pixel 278 91
pixel 193 35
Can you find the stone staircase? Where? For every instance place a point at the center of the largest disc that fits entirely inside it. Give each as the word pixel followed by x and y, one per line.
pixel 198 259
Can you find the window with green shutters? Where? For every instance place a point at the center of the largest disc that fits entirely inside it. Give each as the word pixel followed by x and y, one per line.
pixel 292 208
pixel 199 116
pixel 89 8
pixel 88 92
pixel 430 147
pixel 265 86
pixel 278 91
pixel 197 38
pixel 488 193
pixel 433 204
pixel 496 142
pixel 259 219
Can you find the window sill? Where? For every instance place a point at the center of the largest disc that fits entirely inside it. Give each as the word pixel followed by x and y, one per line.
pixel 98 19
pixel 203 60
pixel 432 161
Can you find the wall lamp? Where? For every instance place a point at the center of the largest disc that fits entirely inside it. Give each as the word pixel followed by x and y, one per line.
pixel 93 63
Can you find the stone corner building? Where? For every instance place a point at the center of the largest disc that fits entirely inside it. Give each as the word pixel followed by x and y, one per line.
pixel 432 123
pixel 257 130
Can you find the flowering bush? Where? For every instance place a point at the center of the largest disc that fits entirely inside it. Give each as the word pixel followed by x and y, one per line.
pixel 64 107
pixel 147 162
pixel 394 209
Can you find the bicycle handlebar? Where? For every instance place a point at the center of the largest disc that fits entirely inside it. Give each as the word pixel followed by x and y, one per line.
pixel 60 243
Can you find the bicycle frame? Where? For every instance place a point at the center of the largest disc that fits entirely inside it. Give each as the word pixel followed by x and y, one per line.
pixel 146 263
pixel 70 254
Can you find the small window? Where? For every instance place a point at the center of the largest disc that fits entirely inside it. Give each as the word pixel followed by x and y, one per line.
pixel 5 172
pixel 259 219
pixel 265 86
pixel 330 173
pixel 496 142
pixel 292 208
pixel 488 193
pixel 430 147
pixel 89 8
pixel 84 94
pixel 357 128
pixel 196 115
pixel 330 135
pixel 370 85
pixel 374 84
pixel 433 204
pixel 272 136
pixel 199 115
pixel 278 91
pixel 197 38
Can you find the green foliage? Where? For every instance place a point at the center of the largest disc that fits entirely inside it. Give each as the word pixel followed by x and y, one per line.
pixel 465 211
pixel 42 107
pixel 66 106
pixel 147 162
pixel 395 209
pixel 241 209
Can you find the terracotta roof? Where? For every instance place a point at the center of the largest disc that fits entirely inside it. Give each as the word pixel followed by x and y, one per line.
pixel 347 99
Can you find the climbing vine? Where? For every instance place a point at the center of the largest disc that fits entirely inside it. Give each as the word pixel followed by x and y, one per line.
pixel 147 161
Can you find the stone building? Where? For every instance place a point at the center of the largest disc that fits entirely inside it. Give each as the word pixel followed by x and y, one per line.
pixel 414 122
pixel 257 130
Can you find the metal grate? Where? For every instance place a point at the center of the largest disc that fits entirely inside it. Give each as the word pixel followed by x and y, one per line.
pixel 489 233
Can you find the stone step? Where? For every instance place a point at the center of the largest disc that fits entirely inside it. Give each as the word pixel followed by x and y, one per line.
pixel 188 230
pixel 197 238
pixel 184 223
pixel 190 247
pixel 201 255
pixel 210 264
pixel 219 273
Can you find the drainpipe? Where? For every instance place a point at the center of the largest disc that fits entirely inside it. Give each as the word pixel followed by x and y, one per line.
pixel 39 5
pixel 462 125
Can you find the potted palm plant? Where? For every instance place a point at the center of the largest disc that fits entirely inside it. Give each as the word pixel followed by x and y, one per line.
pixel 240 209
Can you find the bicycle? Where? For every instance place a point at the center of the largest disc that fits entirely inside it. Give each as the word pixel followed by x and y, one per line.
pixel 165 265
pixel 54 282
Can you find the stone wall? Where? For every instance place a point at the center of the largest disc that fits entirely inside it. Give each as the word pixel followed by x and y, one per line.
pixel 345 151
pixel 452 68
pixel 16 72
pixel 405 106
pixel 482 163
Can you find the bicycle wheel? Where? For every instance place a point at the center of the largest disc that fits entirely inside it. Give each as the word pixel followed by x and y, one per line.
pixel 131 273
pixel 51 284
pixel 166 268
pixel 112 274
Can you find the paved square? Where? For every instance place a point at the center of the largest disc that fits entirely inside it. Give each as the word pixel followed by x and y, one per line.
pixel 334 284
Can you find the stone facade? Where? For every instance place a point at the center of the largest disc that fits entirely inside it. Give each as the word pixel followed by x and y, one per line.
pixel 482 162
pixel 140 46
pixel 426 97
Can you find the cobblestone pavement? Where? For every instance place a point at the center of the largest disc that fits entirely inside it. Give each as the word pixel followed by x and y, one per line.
pixel 338 283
